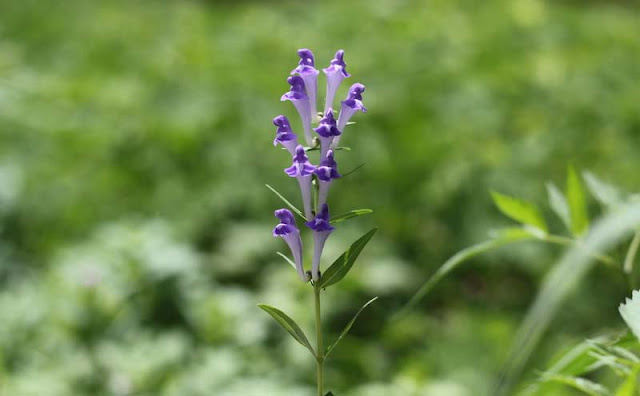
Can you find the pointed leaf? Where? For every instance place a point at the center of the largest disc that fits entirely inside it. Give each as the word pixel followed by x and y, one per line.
pixel 603 192
pixel 289 204
pixel 349 215
pixel 577 203
pixel 559 204
pixel 289 325
pixel 352 170
pixel 291 263
pixel 519 210
pixel 348 327
pixel 343 264
pixel 589 387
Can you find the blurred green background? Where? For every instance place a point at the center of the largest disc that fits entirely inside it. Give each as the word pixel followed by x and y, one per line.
pixel 136 140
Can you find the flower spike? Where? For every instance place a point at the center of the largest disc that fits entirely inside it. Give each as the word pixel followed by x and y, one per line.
pixel 321 230
pixel 288 231
pixel 284 134
pixel 336 72
pixel 326 172
pixel 327 131
pixel 350 106
pixel 306 69
pixel 300 100
pixel 302 170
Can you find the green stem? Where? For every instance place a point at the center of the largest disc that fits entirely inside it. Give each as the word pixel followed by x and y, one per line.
pixel 564 241
pixel 631 253
pixel 319 349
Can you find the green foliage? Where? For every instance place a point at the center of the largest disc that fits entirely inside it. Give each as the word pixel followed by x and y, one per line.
pixel 289 325
pixel 520 211
pixel 347 327
pixel 577 204
pixel 343 264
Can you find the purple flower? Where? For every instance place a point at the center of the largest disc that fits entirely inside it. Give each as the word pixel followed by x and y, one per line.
pixel 300 100
pixel 321 230
pixel 327 131
pixel 326 172
pixel 302 170
pixel 284 134
pixel 350 106
pixel 288 231
pixel 336 72
pixel 306 69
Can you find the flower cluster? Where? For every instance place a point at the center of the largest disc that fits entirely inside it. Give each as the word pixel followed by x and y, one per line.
pixel 303 94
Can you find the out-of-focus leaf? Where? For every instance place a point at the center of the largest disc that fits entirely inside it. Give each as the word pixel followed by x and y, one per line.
pixel 503 237
pixel 628 387
pixel 519 210
pixel 589 387
pixel 558 203
pixel 350 214
pixel 343 264
pixel 348 327
pixel 289 325
pixel 577 203
pixel 605 193
pixel 289 204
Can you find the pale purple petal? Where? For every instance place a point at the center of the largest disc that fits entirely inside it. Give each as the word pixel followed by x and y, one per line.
pixel 336 72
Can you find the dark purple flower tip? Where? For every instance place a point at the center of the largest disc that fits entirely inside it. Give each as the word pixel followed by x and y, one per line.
pixel 285 216
pixel 321 221
pixel 284 132
pixel 283 229
pixel 338 64
pixel 327 127
pixel 307 62
pixel 296 92
pixel 301 165
pixel 354 98
pixel 328 169
pixel 355 92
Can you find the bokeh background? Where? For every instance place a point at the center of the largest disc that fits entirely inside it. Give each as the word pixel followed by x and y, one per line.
pixel 135 226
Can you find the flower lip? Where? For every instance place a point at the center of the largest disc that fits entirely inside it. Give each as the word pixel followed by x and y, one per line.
pixel 328 169
pixel 306 63
pixel 354 98
pixel 338 64
pixel 321 222
pixel 328 125
pixel 301 165
pixel 284 132
pixel 285 216
pixel 296 92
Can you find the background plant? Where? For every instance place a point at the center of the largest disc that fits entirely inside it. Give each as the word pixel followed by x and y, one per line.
pixel 129 146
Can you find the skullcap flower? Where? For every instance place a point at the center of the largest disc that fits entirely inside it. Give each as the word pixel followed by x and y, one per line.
pixel 350 106
pixel 336 72
pixel 326 172
pixel 321 230
pixel 297 95
pixel 284 134
pixel 302 170
pixel 306 69
pixel 327 131
pixel 288 231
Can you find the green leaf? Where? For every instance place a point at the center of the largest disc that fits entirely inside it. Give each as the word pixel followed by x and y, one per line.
pixel 343 264
pixel 291 263
pixel 603 192
pixel 559 205
pixel 503 237
pixel 289 204
pixel 577 203
pixel 630 257
pixel 347 327
pixel 329 393
pixel 289 325
pixel 628 387
pixel 589 387
pixel 349 215
pixel 521 211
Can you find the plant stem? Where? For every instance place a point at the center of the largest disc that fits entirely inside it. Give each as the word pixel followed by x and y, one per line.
pixel 319 349
pixel 564 241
